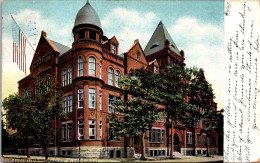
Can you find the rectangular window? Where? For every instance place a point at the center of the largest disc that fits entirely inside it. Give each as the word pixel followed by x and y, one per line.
pixel 70 103
pixel 154 135
pixel 64 132
pixel 110 104
pixel 92 34
pixel 91 129
pixel 92 95
pixel 162 136
pixel 189 138
pixel 100 100
pixel 158 136
pixel 69 131
pixel 69 75
pixel 203 139
pixel 80 130
pixel 65 104
pixel 80 98
pixel 113 49
pixel 198 139
pixel 199 152
pixel 111 100
pixel 100 130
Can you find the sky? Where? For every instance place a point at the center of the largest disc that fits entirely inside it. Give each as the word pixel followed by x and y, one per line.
pixel 197 27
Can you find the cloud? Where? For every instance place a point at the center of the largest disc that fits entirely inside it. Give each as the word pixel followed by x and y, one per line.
pixel 188 30
pixel 203 46
pixel 129 25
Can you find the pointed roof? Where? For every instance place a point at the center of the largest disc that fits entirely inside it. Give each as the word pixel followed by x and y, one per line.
pixel 87 15
pixel 157 41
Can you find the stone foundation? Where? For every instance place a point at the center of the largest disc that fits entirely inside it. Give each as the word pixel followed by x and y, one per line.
pixel 83 152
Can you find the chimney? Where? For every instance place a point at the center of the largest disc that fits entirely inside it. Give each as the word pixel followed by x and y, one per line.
pixel 137 40
pixel 44 33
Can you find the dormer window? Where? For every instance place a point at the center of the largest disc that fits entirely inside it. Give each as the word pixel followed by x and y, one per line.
pixel 92 35
pixel 81 34
pixel 155 45
pixel 138 56
pixel 113 49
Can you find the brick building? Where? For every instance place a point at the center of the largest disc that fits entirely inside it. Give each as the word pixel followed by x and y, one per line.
pixel 88 75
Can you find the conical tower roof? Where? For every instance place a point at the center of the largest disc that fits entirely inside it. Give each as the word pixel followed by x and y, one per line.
pixel 87 16
pixel 157 41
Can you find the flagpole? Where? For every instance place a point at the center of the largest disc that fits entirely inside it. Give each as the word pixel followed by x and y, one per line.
pixel 26 39
pixel 23 33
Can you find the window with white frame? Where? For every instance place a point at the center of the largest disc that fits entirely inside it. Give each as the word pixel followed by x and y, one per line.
pixel 80 98
pixel 69 103
pixel 64 78
pixel 92 95
pixel 64 132
pixel 117 78
pixel 69 75
pixel 92 129
pixel 111 100
pixel 100 130
pixel 80 129
pixel 198 139
pixel 156 135
pixel 162 138
pixel 69 131
pixel 100 100
pixel 189 138
pixel 92 66
pixel 80 66
pixel 100 69
pixel 65 104
pixel 110 76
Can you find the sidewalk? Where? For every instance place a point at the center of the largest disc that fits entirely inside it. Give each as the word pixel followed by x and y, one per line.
pixel 20 158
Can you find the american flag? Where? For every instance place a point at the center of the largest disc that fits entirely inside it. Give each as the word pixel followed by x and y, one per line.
pixel 19 46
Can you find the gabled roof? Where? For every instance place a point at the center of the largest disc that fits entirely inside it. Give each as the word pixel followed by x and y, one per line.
pixel 61 48
pixel 157 41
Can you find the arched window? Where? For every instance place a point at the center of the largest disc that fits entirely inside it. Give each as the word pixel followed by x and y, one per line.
pixel 100 69
pixel 117 78
pixel 92 67
pixel 64 78
pixel 80 66
pixel 110 76
pixel 69 75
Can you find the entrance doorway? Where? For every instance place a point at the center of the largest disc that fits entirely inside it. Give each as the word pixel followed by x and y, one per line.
pixel 176 143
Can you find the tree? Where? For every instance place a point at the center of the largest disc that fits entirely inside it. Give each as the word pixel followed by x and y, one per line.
pixel 135 115
pixel 20 117
pixel 201 95
pixel 172 87
pixel 36 112
pixel 47 102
